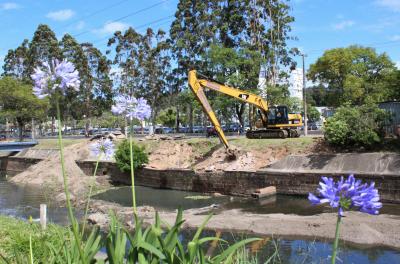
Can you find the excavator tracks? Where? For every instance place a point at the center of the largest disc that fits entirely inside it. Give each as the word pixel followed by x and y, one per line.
pixel 272 133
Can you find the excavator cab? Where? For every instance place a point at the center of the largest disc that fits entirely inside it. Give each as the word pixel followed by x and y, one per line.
pixel 278 115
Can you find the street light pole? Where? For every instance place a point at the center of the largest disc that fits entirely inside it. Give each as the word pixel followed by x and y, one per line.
pixel 304 97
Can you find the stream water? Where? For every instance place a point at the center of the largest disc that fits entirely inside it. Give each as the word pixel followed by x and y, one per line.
pixel 23 202
pixel 163 199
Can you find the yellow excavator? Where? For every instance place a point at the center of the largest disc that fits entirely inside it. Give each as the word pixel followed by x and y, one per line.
pixel 274 122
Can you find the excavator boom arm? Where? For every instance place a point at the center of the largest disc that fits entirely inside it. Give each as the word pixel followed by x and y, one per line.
pixel 197 86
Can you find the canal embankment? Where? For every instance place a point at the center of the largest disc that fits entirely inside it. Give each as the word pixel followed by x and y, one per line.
pixel 294 174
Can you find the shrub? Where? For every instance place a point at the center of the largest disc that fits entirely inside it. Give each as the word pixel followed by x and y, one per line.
pixel 357 126
pixel 122 156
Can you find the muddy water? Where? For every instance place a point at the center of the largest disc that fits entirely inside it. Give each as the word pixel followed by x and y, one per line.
pixel 305 251
pixel 23 202
pixel 163 199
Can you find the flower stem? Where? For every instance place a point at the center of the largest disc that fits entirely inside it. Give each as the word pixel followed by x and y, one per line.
pixel 132 169
pixel 89 195
pixel 336 243
pixel 65 179
pixel 30 249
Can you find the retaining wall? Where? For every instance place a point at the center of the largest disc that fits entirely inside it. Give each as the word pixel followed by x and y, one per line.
pixel 228 182
pixel 241 182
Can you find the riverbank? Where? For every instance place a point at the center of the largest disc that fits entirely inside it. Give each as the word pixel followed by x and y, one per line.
pixel 357 228
pixel 14 240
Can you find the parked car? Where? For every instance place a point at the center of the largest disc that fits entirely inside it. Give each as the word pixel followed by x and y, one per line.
pixel 168 130
pixel 198 129
pixel 312 126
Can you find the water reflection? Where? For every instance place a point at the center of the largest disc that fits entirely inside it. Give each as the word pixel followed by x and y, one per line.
pixel 23 202
pixel 163 199
pixel 304 251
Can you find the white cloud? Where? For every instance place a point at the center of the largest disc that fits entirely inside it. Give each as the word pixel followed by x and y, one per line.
pixel 398 64
pixel 110 28
pixel 61 15
pixel 393 5
pixel 395 38
pixel 343 24
pixel 80 25
pixel 9 6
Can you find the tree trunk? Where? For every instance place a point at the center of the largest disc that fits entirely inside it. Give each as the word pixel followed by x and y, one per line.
pixel 177 119
pixel 190 118
pixel 87 126
pixel 239 112
pixel 52 125
pixel 7 128
pixel 20 131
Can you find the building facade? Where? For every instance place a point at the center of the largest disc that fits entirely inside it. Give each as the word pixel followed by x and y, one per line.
pixel 296 83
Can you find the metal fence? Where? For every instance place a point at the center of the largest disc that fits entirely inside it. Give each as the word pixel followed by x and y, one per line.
pixel 393 124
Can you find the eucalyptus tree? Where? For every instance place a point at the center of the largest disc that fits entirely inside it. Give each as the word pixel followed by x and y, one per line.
pixel 16 62
pixel 95 91
pixel 191 33
pixel 143 63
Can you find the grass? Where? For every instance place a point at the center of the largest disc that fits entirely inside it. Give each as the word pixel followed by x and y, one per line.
pixel 14 240
pixel 51 143
pixel 300 143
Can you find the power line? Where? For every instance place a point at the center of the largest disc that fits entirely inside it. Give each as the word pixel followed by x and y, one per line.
pixel 140 26
pixel 93 14
pixel 126 16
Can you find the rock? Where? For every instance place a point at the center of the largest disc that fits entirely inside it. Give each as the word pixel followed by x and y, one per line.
pixel 61 198
pixel 119 135
pixel 217 194
pixel 112 137
pixel 99 219
pixel 211 168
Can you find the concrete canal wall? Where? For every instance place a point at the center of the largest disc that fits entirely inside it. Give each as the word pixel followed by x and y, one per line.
pixel 292 175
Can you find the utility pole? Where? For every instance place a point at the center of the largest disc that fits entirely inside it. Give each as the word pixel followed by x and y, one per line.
pixel 304 97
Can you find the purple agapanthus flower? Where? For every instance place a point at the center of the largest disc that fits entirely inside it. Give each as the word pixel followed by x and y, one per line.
pixel 103 147
pixel 58 76
pixel 131 107
pixel 346 194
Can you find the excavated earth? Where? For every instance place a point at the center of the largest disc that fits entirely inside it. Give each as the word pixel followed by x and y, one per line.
pixel 357 228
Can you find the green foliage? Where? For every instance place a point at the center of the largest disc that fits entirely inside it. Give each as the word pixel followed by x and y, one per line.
pixel 18 103
pixel 167 117
pixel 122 156
pixel 14 240
pixel 153 244
pixel 356 74
pixel 355 126
pixel 312 113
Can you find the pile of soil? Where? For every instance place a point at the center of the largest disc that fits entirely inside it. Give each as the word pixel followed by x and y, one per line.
pixel 172 154
pixel 245 160
pixel 47 173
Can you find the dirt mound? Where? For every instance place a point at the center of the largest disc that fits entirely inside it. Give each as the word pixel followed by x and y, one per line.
pixel 245 160
pixel 172 154
pixel 47 173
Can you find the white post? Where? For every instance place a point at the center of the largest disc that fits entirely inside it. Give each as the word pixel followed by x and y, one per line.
pixel 43 216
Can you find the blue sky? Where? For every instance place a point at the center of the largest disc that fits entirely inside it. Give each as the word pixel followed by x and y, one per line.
pixel 319 25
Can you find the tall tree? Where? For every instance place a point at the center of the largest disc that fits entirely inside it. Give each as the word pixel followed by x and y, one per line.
pixel 95 93
pixel 144 65
pixel 356 74
pixel 16 62
pixel 19 104
pixel 238 68
pixel 191 33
